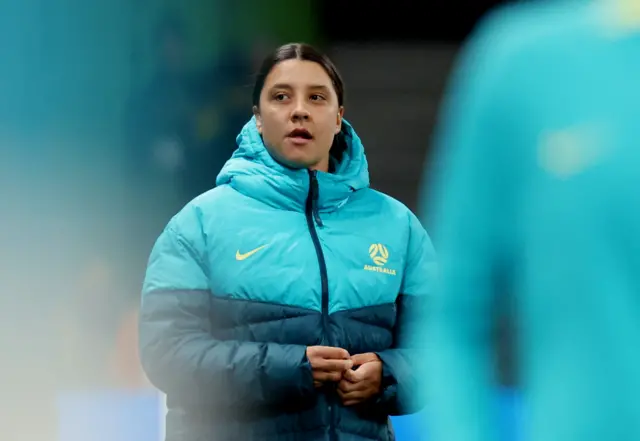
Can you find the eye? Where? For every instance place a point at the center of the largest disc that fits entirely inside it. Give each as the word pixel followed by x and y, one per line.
pixel 280 96
pixel 316 97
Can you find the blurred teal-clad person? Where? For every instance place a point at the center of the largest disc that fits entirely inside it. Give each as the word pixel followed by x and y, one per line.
pixel 535 193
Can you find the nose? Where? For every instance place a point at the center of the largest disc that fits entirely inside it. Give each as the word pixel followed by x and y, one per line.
pixel 300 112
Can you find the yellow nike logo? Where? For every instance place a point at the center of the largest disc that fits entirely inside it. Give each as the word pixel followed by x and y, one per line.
pixel 249 254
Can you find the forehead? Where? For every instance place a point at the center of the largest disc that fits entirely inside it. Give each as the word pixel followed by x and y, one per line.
pixel 298 73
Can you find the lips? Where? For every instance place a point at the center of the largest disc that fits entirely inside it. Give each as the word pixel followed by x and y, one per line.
pixel 300 133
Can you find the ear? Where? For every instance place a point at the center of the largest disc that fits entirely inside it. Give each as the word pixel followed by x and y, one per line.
pixel 256 113
pixel 339 119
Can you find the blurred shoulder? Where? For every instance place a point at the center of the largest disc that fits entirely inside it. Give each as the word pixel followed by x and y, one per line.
pixel 521 26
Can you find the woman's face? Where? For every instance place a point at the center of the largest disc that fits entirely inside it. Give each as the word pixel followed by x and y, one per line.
pixel 299 114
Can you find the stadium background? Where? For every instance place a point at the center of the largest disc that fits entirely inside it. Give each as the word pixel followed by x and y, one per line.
pixel 83 198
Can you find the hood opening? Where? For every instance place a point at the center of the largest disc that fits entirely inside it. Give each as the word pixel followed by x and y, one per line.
pixel 338 148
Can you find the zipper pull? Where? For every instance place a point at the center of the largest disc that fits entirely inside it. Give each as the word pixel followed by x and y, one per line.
pixel 316 217
pixel 315 194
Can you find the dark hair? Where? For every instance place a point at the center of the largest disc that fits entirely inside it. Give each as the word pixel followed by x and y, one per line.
pixel 297 51
pixel 301 51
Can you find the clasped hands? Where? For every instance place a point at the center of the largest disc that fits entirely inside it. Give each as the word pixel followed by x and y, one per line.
pixel 331 364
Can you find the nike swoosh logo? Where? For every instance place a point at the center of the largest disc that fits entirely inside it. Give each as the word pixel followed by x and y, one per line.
pixel 249 254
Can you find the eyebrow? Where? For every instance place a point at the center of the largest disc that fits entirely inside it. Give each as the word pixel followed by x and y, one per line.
pixel 289 86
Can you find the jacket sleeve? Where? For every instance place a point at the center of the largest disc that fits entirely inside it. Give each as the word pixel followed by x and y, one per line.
pixel 471 222
pixel 401 365
pixel 180 355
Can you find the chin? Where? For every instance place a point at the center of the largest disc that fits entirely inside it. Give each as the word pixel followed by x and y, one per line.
pixel 299 165
pixel 293 159
pixel 298 162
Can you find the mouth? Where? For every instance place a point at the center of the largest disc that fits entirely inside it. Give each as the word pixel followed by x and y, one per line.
pixel 300 135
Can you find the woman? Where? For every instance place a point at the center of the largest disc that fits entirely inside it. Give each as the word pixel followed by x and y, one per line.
pixel 274 305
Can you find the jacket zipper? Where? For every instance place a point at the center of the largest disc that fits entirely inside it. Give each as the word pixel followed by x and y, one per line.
pixel 311 212
pixel 313 218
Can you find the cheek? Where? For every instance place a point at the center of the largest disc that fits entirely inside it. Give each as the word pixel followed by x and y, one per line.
pixel 271 128
pixel 272 135
pixel 328 131
pixel 329 120
pixel 326 139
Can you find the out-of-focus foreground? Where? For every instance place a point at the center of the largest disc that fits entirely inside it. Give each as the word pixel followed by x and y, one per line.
pixel 114 114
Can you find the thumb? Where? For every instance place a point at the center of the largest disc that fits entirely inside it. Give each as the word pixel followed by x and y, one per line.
pixel 360 359
pixel 353 376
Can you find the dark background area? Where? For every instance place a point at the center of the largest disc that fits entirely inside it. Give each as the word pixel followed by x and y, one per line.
pixel 360 21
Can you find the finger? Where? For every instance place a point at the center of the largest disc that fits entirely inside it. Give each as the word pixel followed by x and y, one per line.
pixel 348 403
pixel 333 365
pixel 324 376
pixel 317 384
pixel 331 353
pixel 351 398
pixel 350 395
pixel 346 386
